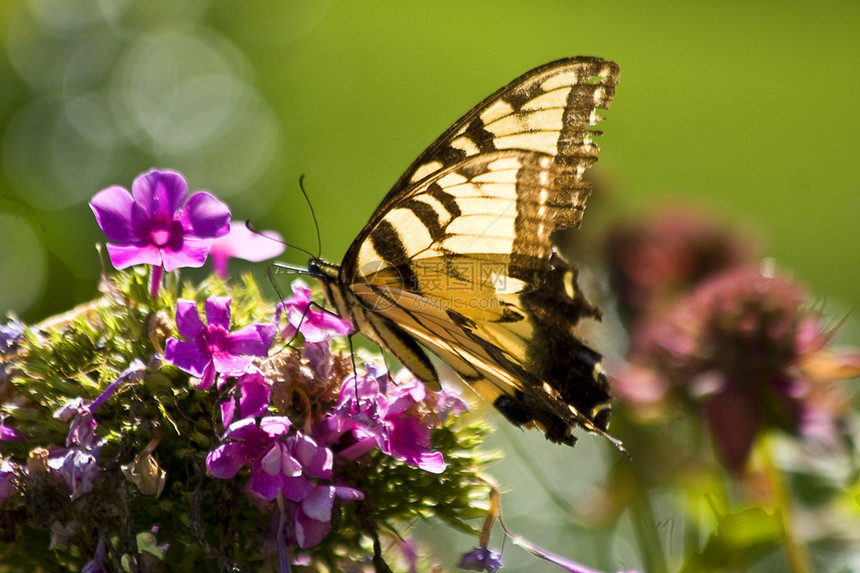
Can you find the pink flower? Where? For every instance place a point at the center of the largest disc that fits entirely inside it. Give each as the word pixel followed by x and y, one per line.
pixel 253 399
pixel 315 324
pixel 243 243
pixel 392 422
pixel 654 260
pixel 288 463
pixel 214 349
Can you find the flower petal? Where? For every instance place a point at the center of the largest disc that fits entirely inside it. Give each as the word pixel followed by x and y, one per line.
pixel 113 208
pixel 410 442
pixel 301 293
pixel 226 460
pixel 245 430
pixel 187 356
pixel 297 488
pixel 124 256
pixel 8 434
pixel 160 193
pixel 317 460
pixel 347 494
pixel 263 483
pixel 206 216
pixel 309 531
pixel 208 376
pixel 271 461
pixel 275 426
pixel 228 411
pixel 319 503
pixel 319 325
pixel 218 311
pixel 252 340
pixel 191 254
pixel 254 394
pixel 188 321
pixel 230 364
pixel 243 243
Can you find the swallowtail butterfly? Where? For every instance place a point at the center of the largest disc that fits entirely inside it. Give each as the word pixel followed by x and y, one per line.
pixel 457 259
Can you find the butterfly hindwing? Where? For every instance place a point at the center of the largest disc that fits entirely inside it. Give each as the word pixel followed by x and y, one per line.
pixel 458 258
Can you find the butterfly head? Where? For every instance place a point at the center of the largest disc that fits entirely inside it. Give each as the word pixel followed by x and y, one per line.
pixel 323 270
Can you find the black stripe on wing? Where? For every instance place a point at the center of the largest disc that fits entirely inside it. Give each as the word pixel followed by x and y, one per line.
pixel 557 100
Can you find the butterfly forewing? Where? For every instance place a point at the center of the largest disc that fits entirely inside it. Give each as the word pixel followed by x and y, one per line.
pixel 548 109
pixel 458 258
pixel 493 207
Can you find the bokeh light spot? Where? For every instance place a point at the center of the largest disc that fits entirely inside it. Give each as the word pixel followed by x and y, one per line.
pixel 22 264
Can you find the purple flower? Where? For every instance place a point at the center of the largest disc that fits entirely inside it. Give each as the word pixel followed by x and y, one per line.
pixel 315 324
pixel 97 563
pixel 8 434
pixel 449 400
pixel 214 349
pixel 80 412
pixel 394 423
pixel 151 226
pixel 253 399
pixel 8 469
pixel 481 559
pixel 243 243
pixel 285 463
pixel 83 425
pixel 279 459
pixel 77 468
pixel 10 333
pixel 243 442
pixel 287 466
pixel 313 514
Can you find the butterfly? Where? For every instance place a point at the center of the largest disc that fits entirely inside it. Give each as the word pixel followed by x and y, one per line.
pixel 457 259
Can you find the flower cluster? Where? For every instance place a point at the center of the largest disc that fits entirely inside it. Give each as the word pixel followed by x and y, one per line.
pixel 710 328
pixel 152 400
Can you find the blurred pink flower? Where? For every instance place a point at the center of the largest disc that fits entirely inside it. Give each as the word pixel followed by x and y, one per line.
pixel 655 261
pixel 746 348
pixel 243 243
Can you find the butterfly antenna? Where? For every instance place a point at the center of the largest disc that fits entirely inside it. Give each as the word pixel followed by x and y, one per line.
pixel 354 368
pixel 313 214
pixel 250 226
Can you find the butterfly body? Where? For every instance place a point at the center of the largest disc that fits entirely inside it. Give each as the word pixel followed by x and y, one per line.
pixel 458 259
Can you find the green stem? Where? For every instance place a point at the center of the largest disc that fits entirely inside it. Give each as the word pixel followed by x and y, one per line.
pixel 795 551
pixel 645 529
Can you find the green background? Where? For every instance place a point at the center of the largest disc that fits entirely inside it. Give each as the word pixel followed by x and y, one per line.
pixel 750 108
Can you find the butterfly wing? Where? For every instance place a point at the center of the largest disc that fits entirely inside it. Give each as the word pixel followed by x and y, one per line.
pixel 548 109
pixel 463 264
